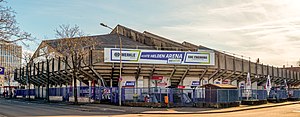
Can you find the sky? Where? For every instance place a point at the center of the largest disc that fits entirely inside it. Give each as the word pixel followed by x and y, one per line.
pixel 264 29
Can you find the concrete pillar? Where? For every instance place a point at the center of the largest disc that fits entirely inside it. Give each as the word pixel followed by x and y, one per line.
pixel 73 87
pixel 78 88
pixel 90 90
pixel 99 82
pixel 254 85
pixel 111 83
pixel 42 91
pixel 66 91
pixel 234 83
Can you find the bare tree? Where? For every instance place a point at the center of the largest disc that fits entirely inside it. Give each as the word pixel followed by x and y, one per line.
pixel 9 31
pixel 26 56
pixel 75 46
pixel 298 63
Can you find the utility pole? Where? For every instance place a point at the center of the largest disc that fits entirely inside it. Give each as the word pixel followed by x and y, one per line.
pixel 120 75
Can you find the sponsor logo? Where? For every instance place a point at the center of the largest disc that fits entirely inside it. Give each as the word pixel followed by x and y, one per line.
pixel 1 70
pixel 158 56
pixel 127 55
pixel 195 83
pixel 157 77
pixel 130 83
pixel 196 57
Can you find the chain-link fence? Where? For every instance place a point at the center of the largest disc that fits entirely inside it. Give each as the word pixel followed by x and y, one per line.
pixel 25 93
pixel 174 96
pixel 253 94
pixel 1 91
pixel 294 93
pixel 278 94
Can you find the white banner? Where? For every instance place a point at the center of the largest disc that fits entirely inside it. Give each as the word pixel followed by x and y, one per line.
pixel 268 85
pixel 248 86
pixel 159 56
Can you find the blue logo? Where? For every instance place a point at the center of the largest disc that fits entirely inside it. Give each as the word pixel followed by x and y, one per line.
pixel 195 83
pixel 130 83
pixel 2 70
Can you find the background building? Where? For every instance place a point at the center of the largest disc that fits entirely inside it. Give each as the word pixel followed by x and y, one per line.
pixel 10 59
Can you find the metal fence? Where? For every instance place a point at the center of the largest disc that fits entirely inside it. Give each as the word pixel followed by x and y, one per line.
pixel 253 94
pixel 294 93
pixel 278 94
pixel 178 97
pixel 1 91
pixel 24 93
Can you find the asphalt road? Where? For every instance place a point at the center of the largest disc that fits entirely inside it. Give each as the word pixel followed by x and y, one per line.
pixel 23 108
pixel 13 108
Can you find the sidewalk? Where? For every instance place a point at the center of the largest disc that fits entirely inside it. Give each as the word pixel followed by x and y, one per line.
pixel 224 110
pixel 148 110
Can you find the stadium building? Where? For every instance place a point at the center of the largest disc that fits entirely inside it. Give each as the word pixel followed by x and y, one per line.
pixel 148 60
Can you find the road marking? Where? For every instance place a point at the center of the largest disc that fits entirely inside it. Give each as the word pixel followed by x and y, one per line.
pixel 171 110
pixel 110 109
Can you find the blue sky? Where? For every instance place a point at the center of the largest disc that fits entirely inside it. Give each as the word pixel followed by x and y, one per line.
pixel 268 30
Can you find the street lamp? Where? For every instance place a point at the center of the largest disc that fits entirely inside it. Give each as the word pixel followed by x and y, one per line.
pixel 120 76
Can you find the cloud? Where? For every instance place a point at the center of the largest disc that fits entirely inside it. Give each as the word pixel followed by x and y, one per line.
pixel 268 30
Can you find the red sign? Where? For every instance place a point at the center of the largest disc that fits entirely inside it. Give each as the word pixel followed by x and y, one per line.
pixel 161 84
pixel 157 77
pixel 225 82
pixel 180 87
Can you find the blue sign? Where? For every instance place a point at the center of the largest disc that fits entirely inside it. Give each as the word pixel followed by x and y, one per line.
pixel 242 86
pixel 195 83
pixel 130 83
pixel 162 55
pixel 2 70
pixel 159 56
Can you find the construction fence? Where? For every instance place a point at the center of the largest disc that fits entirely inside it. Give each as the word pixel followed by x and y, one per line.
pixel 175 96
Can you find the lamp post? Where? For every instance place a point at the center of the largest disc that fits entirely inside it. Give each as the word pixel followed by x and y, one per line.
pixel 120 75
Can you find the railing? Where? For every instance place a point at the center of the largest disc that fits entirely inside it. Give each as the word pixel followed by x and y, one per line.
pixel 278 94
pixel 177 97
pixel 1 91
pixel 253 94
pixel 24 93
pixel 294 93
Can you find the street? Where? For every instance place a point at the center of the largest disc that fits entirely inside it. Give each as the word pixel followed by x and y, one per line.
pixel 25 108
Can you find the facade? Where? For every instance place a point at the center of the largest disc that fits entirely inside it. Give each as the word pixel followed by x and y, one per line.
pixel 101 64
pixel 10 59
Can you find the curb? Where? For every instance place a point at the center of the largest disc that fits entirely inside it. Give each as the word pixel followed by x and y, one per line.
pixel 253 108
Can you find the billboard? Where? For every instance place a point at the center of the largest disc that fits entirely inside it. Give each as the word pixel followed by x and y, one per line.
pixel 195 83
pixel 130 83
pixel 157 77
pixel 159 56
pixel 2 70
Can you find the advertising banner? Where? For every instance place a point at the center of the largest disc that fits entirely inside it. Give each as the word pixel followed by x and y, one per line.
pixel 2 70
pixel 159 56
pixel 157 77
pixel 225 81
pixel 130 83
pixel 195 83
